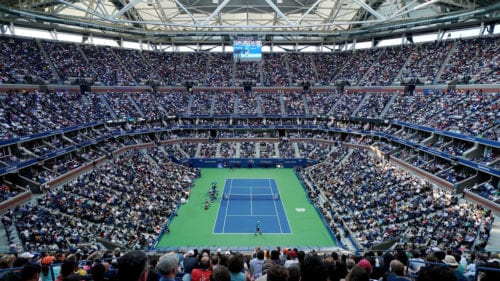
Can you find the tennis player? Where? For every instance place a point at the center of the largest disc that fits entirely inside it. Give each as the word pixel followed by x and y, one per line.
pixel 257 228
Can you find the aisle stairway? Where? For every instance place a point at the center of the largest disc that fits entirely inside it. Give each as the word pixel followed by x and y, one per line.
pixel 494 241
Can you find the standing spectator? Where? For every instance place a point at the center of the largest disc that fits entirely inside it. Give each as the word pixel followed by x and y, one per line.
pixel 133 266
pixel 153 274
pixel 293 259
pixel 48 272
pixel 67 268
pixel 236 268
pixel 203 271
pixel 256 265
pixel 189 263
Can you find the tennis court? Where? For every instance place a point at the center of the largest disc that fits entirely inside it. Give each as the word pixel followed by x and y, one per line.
pixel 195 227
pixel 248 202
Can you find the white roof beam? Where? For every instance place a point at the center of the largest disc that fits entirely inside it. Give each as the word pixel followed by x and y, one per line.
pixel 309 10
pixel 279 12
pixel 86 10
pixel 404 10
pixel 187 11
pixel 126 8
pixel 215 12
pixel 369 9
pixel 460 3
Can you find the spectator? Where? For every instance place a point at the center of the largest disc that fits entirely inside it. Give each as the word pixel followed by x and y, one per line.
pixel 49 272
pixel 236 268
pixel 276 272
pixel 256 265
pixel 31 272
pixel 433 273
pixel 98 271
pixel 358 273
pixel 313 269
pixel 203 270
pixel 396 272
pixel 293 260
pixel 221 273
pixel 168 266
pixel 133 266
pixel 450 260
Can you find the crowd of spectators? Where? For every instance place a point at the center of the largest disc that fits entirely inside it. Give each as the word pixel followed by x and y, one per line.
pixel 224 103
pixel 294 103
pixel 356 68
pixel 23 63
pixel 194 68
pixel 275 70
pixel 201 103
pixel 404 262
pixel 472 61
pixel 271 104
pixel 207 150
pixel 247 150
pixel 219 70
pixel 248 104
pixel 108 203
pixel 345 105
pixel 68 61
pixel 167 65
pixel 425 62
pixel 387 67
pixel 329 64
pixel 302 68
pixel 109 69
pixel 122 106
pixel 378 202
pixel 320 103
pixel 134 62
pixel 373 105
pixel 472 113
pixel 248 71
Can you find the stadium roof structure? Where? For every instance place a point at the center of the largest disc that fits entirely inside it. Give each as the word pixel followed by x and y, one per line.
pixel 209 21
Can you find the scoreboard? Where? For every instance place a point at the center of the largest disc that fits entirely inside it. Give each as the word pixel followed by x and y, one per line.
pixel 247 48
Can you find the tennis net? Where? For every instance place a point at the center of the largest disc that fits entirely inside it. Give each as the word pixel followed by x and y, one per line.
pixel 232 196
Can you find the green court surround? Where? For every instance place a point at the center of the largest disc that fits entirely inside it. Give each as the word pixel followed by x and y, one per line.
pixel 193 227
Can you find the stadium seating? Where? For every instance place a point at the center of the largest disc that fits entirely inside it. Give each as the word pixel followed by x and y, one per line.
pixel 101 122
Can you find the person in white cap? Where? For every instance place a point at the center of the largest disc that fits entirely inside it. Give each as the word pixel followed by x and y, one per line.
pixel 452 262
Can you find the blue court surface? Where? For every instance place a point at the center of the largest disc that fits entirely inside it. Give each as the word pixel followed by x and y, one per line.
pixel 248 202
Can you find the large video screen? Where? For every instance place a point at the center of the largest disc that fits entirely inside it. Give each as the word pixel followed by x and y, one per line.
pixel 247 48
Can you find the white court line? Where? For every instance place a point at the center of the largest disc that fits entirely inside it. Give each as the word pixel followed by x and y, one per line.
pixel 251 216
pixel 251 202
pixel 276 208
pixel 227 206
